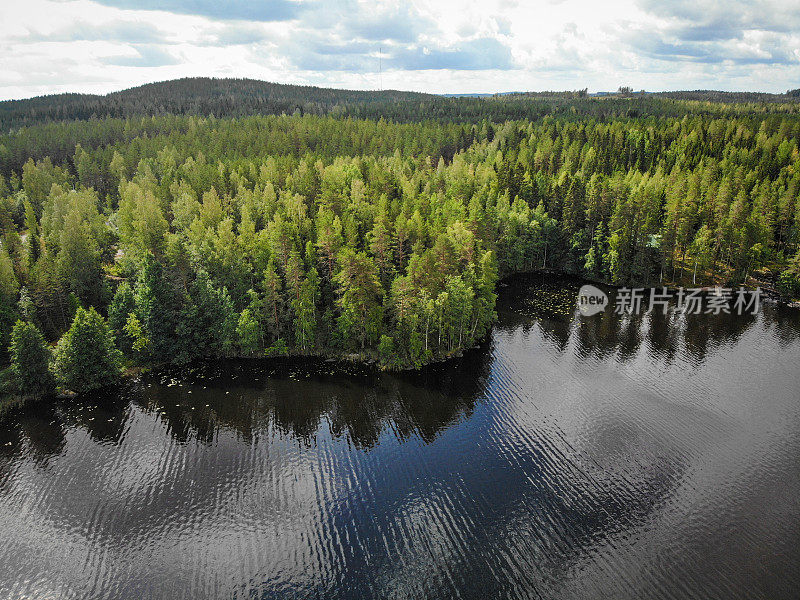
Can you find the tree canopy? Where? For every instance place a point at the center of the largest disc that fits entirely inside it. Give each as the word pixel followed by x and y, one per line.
pixel 202 236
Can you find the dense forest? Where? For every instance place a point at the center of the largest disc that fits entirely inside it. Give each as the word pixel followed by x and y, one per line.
pixel 194 96
pixel 170 238
pixel 222 98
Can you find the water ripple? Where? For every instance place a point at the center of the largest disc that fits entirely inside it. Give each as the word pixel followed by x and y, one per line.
pixel 566 458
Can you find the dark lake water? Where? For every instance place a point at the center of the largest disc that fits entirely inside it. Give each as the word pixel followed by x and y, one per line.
pixel 568 457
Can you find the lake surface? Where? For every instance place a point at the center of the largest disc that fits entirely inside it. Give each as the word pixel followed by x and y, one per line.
pixel 567 457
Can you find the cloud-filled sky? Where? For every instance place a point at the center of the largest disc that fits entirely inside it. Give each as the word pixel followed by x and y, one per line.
pixel 439 46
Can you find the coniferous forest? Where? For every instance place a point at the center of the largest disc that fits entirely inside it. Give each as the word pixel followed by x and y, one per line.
pixel 378 228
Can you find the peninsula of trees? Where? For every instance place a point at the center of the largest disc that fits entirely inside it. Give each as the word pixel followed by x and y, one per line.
pixel 176 237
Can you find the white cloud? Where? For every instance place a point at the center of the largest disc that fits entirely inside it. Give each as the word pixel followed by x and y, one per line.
pixel 451 46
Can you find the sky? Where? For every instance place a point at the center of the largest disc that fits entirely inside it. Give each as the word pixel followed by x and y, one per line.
pixel 437 46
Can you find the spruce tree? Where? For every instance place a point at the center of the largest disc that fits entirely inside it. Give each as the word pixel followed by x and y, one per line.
pixel 86 357
pixel 30 360
pixel 123 304
pixel 156 309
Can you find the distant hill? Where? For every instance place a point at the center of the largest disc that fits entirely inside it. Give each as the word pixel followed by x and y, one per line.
pixel 717 96
pixel 200 95
pixel 239 97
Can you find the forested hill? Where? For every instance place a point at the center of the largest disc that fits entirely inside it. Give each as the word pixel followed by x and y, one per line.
pixel 222 98
pixel 732 97
pixel 196 96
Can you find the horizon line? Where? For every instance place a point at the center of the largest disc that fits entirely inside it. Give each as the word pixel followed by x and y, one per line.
pixel 442 94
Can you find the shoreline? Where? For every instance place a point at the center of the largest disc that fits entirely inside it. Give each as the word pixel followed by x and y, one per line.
pixel 367 360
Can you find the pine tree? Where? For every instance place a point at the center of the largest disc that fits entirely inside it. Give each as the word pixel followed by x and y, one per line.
pixel 701 251
pixel 360 295
pixel 329 239
pixel 380 244
pixel 273 299
pixel 304 307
